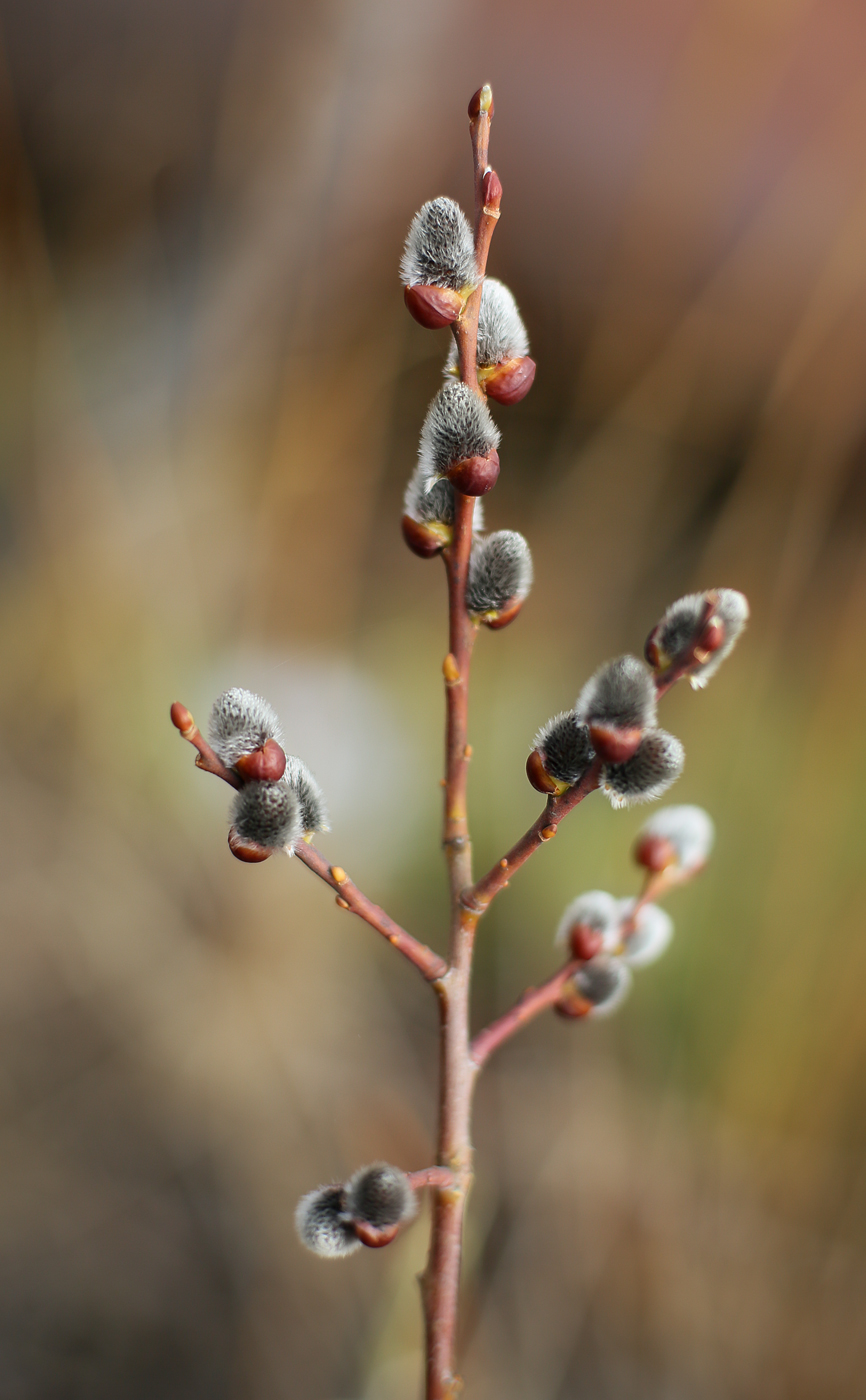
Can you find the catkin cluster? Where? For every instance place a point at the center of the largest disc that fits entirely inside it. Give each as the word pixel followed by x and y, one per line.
pixel 459 442
pixel 279 801
pixel 613 722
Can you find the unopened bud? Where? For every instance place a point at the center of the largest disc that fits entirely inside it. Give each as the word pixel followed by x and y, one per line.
pixel 491 193
pixel 267 764
pixel 182 719
pixel 481 101
pixel 433 307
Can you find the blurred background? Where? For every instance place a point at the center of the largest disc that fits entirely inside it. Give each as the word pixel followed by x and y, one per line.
pixel 209 405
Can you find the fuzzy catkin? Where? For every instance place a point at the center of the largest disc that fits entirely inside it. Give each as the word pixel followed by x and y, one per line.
pixel 267 813
pixel 312 812
pixel 565 748
pixel 501 332
pixel 458 425
pixel 689 830
pixel 606 982
pixel 241 722
pixel 380 1195
pixel 654 929
pixel 436 505
pixel 622 693
pixel 440 249
pixel 500 572
pixel 597 910
pixel 322 1224
pixel 657 762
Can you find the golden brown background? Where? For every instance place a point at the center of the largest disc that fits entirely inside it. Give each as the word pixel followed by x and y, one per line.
pixel 209 403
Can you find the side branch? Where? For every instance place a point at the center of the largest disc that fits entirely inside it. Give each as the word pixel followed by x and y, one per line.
pixel 478 898
pixel 533 1001
pixel 350 897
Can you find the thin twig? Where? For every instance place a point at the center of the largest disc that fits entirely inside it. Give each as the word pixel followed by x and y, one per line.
pixel 350 897
pixel 477 898
pixel 529 1005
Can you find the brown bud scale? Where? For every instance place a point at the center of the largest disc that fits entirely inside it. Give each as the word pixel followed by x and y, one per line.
pixel 264 765
pixel 614 745
pixel 502 617
pixel 475 476
pixel 433 307
pixel 425 540
pixel 372 1236
pixel 249 851
pixel 510 381
pixel 655 853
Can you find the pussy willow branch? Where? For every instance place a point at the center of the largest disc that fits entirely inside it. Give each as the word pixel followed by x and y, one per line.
pixel 529 1005
pixel 440 1282
pixel 348 895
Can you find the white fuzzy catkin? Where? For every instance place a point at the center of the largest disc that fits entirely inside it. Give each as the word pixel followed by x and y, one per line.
pixel 564 745
pixel 596 909
pixel 323 1225
pixel 501 332
pixel 313 813
pixel 458 425
pixel 436 506
pixel 440 249
pixel 622 693
pixel 656 764
pixel 654 929
pixel 606 982
pixel 241 722
pixel 500 572
pixel 690 831
pixel 380 1195
pixel 267 813
pixel 680 626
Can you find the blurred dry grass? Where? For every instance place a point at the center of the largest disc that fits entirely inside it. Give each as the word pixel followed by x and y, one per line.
pixel 209 404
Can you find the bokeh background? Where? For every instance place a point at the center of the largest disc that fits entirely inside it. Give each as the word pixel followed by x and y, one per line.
pixel 209 404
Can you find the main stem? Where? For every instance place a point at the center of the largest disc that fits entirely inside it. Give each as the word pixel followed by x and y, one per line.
pixel 440 1282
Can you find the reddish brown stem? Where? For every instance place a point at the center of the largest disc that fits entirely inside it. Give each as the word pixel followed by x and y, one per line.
pixel 207 759
pixel 530 1004
pixel 350 897
pixel 477 898
pixel 441 1279
pixel 430 1176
